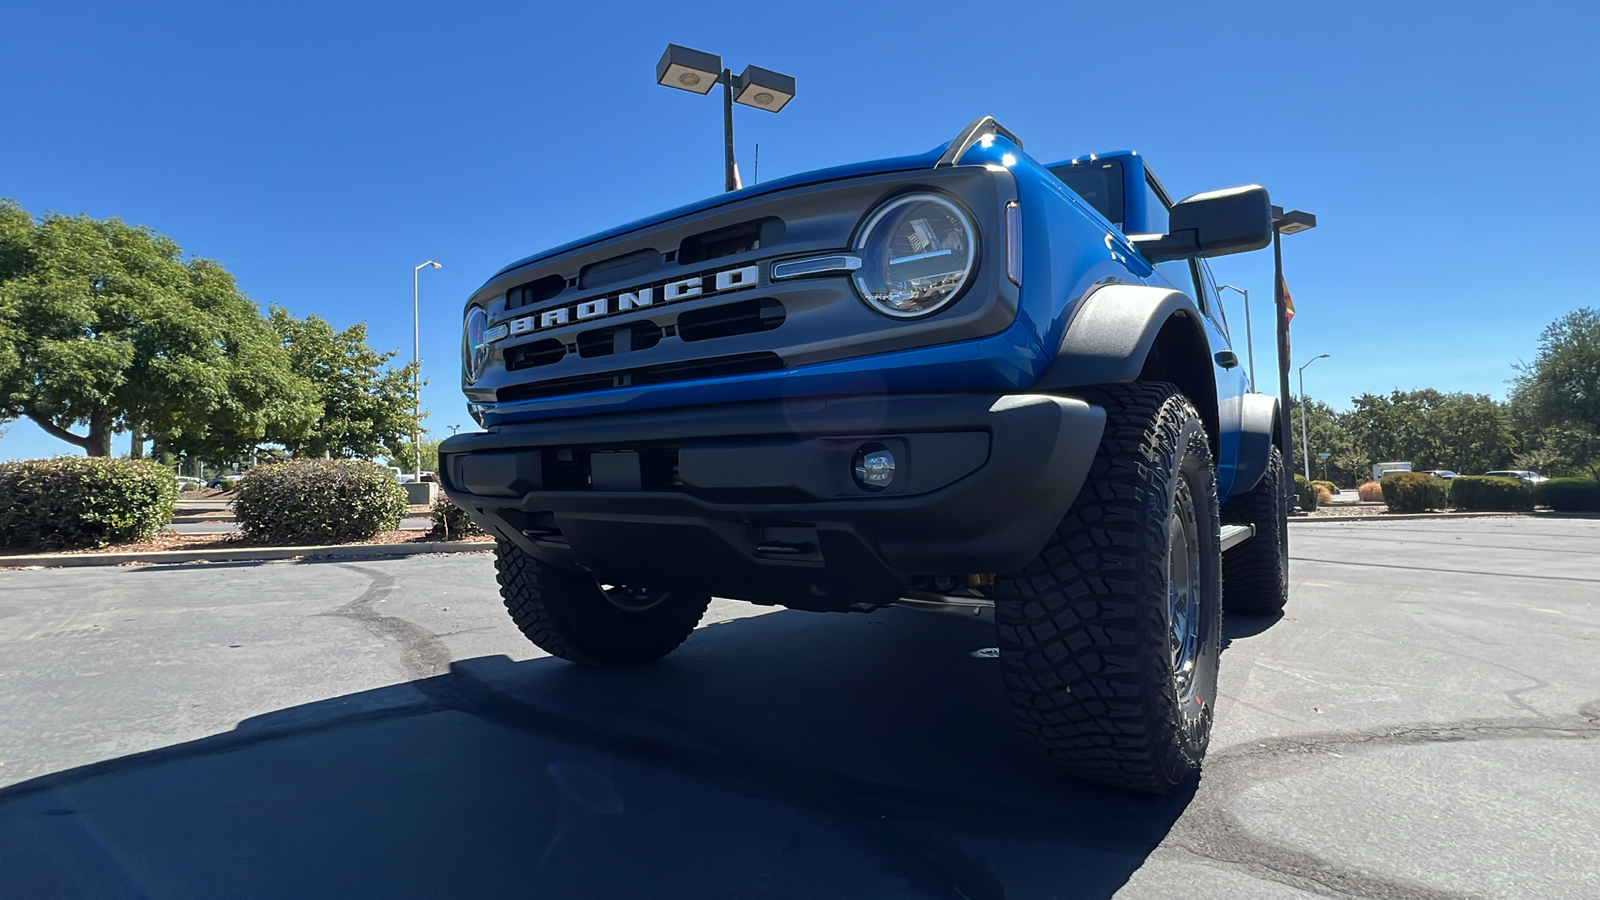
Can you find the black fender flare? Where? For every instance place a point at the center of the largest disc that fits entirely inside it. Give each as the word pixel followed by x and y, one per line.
pixel 1258 432
pixel 1110 335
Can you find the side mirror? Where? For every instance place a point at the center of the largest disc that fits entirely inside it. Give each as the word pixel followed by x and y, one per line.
pixel 1216 223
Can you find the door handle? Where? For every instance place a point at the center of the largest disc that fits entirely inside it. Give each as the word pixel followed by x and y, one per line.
pixel 1227 359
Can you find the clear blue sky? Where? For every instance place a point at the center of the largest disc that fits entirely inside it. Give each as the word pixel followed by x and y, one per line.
pixel 321 152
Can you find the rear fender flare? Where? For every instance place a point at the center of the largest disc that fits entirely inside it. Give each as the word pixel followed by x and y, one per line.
pixel 1258 431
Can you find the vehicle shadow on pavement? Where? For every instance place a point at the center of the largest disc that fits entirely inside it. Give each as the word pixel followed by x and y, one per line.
pixel 782 755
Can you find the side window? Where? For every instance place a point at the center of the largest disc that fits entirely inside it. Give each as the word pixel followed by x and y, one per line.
pixel 1155 211
pixel 1211 304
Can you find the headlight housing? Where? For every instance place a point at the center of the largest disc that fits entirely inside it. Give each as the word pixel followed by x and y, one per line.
pixel 917 253
pixel 474 348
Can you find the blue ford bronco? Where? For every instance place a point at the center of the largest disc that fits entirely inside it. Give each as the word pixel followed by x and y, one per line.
pixel 958 381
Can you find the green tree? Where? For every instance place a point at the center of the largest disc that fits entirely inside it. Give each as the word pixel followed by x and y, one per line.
pixel 1557 396
pixel 405 458
pixel 110 328
pixel 366 406
pixel 1326 432
pixel 1467 433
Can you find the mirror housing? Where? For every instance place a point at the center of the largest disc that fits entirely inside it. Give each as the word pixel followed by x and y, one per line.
pixel 1215 223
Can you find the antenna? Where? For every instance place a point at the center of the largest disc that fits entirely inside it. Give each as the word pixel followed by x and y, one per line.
pixel 756 175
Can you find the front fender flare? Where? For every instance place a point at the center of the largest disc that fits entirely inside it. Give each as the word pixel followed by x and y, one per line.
pixel 1111 333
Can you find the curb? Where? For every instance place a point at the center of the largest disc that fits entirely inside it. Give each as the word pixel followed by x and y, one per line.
pixel 1486 514
pixel 245 554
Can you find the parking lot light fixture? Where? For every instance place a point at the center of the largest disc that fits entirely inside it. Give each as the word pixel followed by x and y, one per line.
pixel 1305 444
pixel 763 89
pixel 1249 342
pixel 695 71
pixel 416 365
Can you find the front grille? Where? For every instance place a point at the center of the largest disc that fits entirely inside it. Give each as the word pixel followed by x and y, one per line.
pixel 715 367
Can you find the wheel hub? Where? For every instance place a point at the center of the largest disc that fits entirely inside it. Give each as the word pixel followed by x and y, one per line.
pixel 1183 593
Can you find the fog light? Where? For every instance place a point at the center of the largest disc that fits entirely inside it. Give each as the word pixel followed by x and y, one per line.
pixel 874 467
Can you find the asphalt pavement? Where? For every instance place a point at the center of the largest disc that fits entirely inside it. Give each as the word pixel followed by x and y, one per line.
pixel 1422 723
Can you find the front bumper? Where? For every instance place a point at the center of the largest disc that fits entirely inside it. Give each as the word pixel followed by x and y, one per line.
pixel 757 501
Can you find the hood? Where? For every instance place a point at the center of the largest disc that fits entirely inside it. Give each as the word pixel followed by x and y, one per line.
pixel 874 167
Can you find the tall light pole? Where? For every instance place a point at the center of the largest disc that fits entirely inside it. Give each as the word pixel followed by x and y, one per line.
pixel 1305 443
pixel 1284 223
pixel 697 73
pixel 416 367
pixel 1249 342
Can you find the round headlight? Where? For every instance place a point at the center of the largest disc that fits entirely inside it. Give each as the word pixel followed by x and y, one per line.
pixel 474 349
pixel 917 251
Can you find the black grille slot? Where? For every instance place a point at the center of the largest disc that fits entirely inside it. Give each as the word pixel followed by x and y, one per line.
pixel 535 291
pixel 736 364
pixel 741 238
pixel 729 319
pixel 628 267
pixel 621 339
pixel 538 353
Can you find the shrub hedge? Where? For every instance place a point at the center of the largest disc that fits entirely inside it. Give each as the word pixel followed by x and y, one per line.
pixel 1328 486
pixel 1414 492
pixel 1305 494
pixel 76 501
pixel 1484 492
pixel 1371 492
pixel 1569 494
pixel 450 521
pixel 318 501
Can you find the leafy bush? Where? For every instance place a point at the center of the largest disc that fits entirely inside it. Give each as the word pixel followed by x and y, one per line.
pixel 318 501
pixel 76 501
pixel 1323 496
pixel 1305 493
pixel 1569 494
pixel 450 521
pixel 1414 492
pixel 1371 492
pixel 1483 492
pixel 1328 486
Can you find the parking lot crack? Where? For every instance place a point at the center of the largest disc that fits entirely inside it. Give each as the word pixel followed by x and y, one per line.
pixel 1211 829
pixel 422 653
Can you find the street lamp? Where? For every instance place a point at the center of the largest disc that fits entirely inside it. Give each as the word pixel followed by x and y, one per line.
pixel 697 72
pixel 416 366
pixel 1249 342
pixel 454 429
pixel 1305 443
pixel 1283 223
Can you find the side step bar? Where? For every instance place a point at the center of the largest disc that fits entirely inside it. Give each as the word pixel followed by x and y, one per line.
pixel 983 608
pixel 1234 535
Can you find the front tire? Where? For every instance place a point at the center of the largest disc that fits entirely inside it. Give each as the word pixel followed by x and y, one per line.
pixel 568 614
pixel 1110 638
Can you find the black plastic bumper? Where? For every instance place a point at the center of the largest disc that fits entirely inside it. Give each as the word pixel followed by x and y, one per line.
pixel 759 502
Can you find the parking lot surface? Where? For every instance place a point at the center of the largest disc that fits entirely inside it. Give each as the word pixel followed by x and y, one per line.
pixel 1422 723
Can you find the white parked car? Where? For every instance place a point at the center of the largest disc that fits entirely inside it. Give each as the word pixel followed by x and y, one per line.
pixel 1522 474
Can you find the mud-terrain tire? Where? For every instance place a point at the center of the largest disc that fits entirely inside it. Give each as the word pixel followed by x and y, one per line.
pixel 1095 677
pixel 566 614
pixel 1255 574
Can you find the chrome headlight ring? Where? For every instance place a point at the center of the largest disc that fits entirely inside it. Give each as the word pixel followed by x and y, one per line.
pixel 474 344
pixel 918 251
